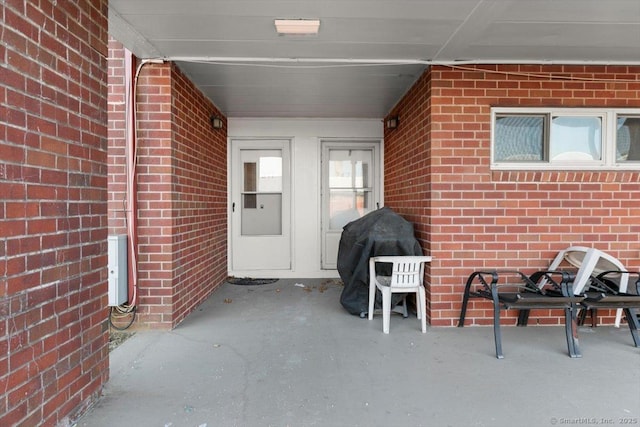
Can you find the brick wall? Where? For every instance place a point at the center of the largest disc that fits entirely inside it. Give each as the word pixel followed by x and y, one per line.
pixel 199 197
pixel 117 174
pixel 471 217
pixel 53 210
pixel 155 175
pixel 182 191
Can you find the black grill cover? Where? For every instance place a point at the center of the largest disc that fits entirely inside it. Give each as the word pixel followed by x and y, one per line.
pixel 381 232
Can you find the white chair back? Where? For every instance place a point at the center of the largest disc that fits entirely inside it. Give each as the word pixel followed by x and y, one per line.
pixel 407 275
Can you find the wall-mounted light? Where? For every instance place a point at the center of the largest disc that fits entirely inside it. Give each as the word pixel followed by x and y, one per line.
pixel 216 122
pixel 392 122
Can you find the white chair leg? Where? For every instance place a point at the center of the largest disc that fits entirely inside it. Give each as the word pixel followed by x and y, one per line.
pixel 386 309
pixel 372 300
pixel 405 310
pixel 422 308
pixel 372 287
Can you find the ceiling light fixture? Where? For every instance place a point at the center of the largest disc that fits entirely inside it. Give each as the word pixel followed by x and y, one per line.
pixel 301 27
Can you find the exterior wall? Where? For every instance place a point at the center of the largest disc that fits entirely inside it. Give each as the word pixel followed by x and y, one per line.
pixel 407 163
pixel 306 136
pixel 117 174
pixel 53 210
pixel 199 197
pixel 478 218
pixel 155 208
pixel 181 190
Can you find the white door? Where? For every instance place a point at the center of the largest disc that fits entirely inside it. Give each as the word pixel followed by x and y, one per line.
pixel 350 186
pixel 260 205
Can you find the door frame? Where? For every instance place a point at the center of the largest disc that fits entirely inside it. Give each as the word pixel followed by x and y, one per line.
pixel 259 143
pixel 377 145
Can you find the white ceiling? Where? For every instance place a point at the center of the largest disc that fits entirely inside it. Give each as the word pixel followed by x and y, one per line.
pixel 368 52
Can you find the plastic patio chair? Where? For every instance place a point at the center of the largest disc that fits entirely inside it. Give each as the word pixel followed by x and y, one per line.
pixel 407 276
pixel 591 262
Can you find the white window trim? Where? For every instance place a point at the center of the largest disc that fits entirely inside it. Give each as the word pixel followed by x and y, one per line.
pixel 608 162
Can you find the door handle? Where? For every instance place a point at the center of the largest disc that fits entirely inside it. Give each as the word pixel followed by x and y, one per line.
pixel 233 207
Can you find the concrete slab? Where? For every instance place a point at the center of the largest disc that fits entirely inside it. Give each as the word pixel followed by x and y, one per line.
pixel 285 355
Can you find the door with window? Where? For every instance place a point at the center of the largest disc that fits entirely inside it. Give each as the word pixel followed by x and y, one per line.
pixel 350 188
pixel 260 205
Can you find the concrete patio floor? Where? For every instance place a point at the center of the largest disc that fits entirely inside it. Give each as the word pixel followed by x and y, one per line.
pixel 284 355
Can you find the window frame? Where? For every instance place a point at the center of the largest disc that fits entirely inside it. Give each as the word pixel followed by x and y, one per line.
pixel 636 115
pixel 608 159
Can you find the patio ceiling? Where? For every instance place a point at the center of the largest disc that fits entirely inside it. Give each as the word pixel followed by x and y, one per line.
pixel 367 52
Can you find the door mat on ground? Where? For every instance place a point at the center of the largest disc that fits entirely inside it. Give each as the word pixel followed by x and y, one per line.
pixel 249 281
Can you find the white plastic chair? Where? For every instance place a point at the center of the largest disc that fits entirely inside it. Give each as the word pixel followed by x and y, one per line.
pixel 590 261
pixel 407 276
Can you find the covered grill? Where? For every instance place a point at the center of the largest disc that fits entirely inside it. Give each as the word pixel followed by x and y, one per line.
pixel 381 232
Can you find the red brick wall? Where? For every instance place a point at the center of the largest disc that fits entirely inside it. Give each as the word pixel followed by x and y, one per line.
pixel 53 210
pixel 155 175
pixel 199 197
pixel 476 218
pixel 182 192
pixel 117 174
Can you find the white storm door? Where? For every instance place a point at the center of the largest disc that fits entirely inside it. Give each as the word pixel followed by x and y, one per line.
pixel 260 205
pixel 350 180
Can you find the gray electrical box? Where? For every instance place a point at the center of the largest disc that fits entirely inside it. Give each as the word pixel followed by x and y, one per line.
pixel 117 264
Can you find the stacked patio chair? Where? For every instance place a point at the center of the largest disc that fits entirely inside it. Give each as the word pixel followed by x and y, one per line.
pixel 604 292
pixel 600 282
pixel 510 289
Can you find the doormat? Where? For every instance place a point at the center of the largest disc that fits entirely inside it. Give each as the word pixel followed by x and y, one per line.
pixel 249 281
